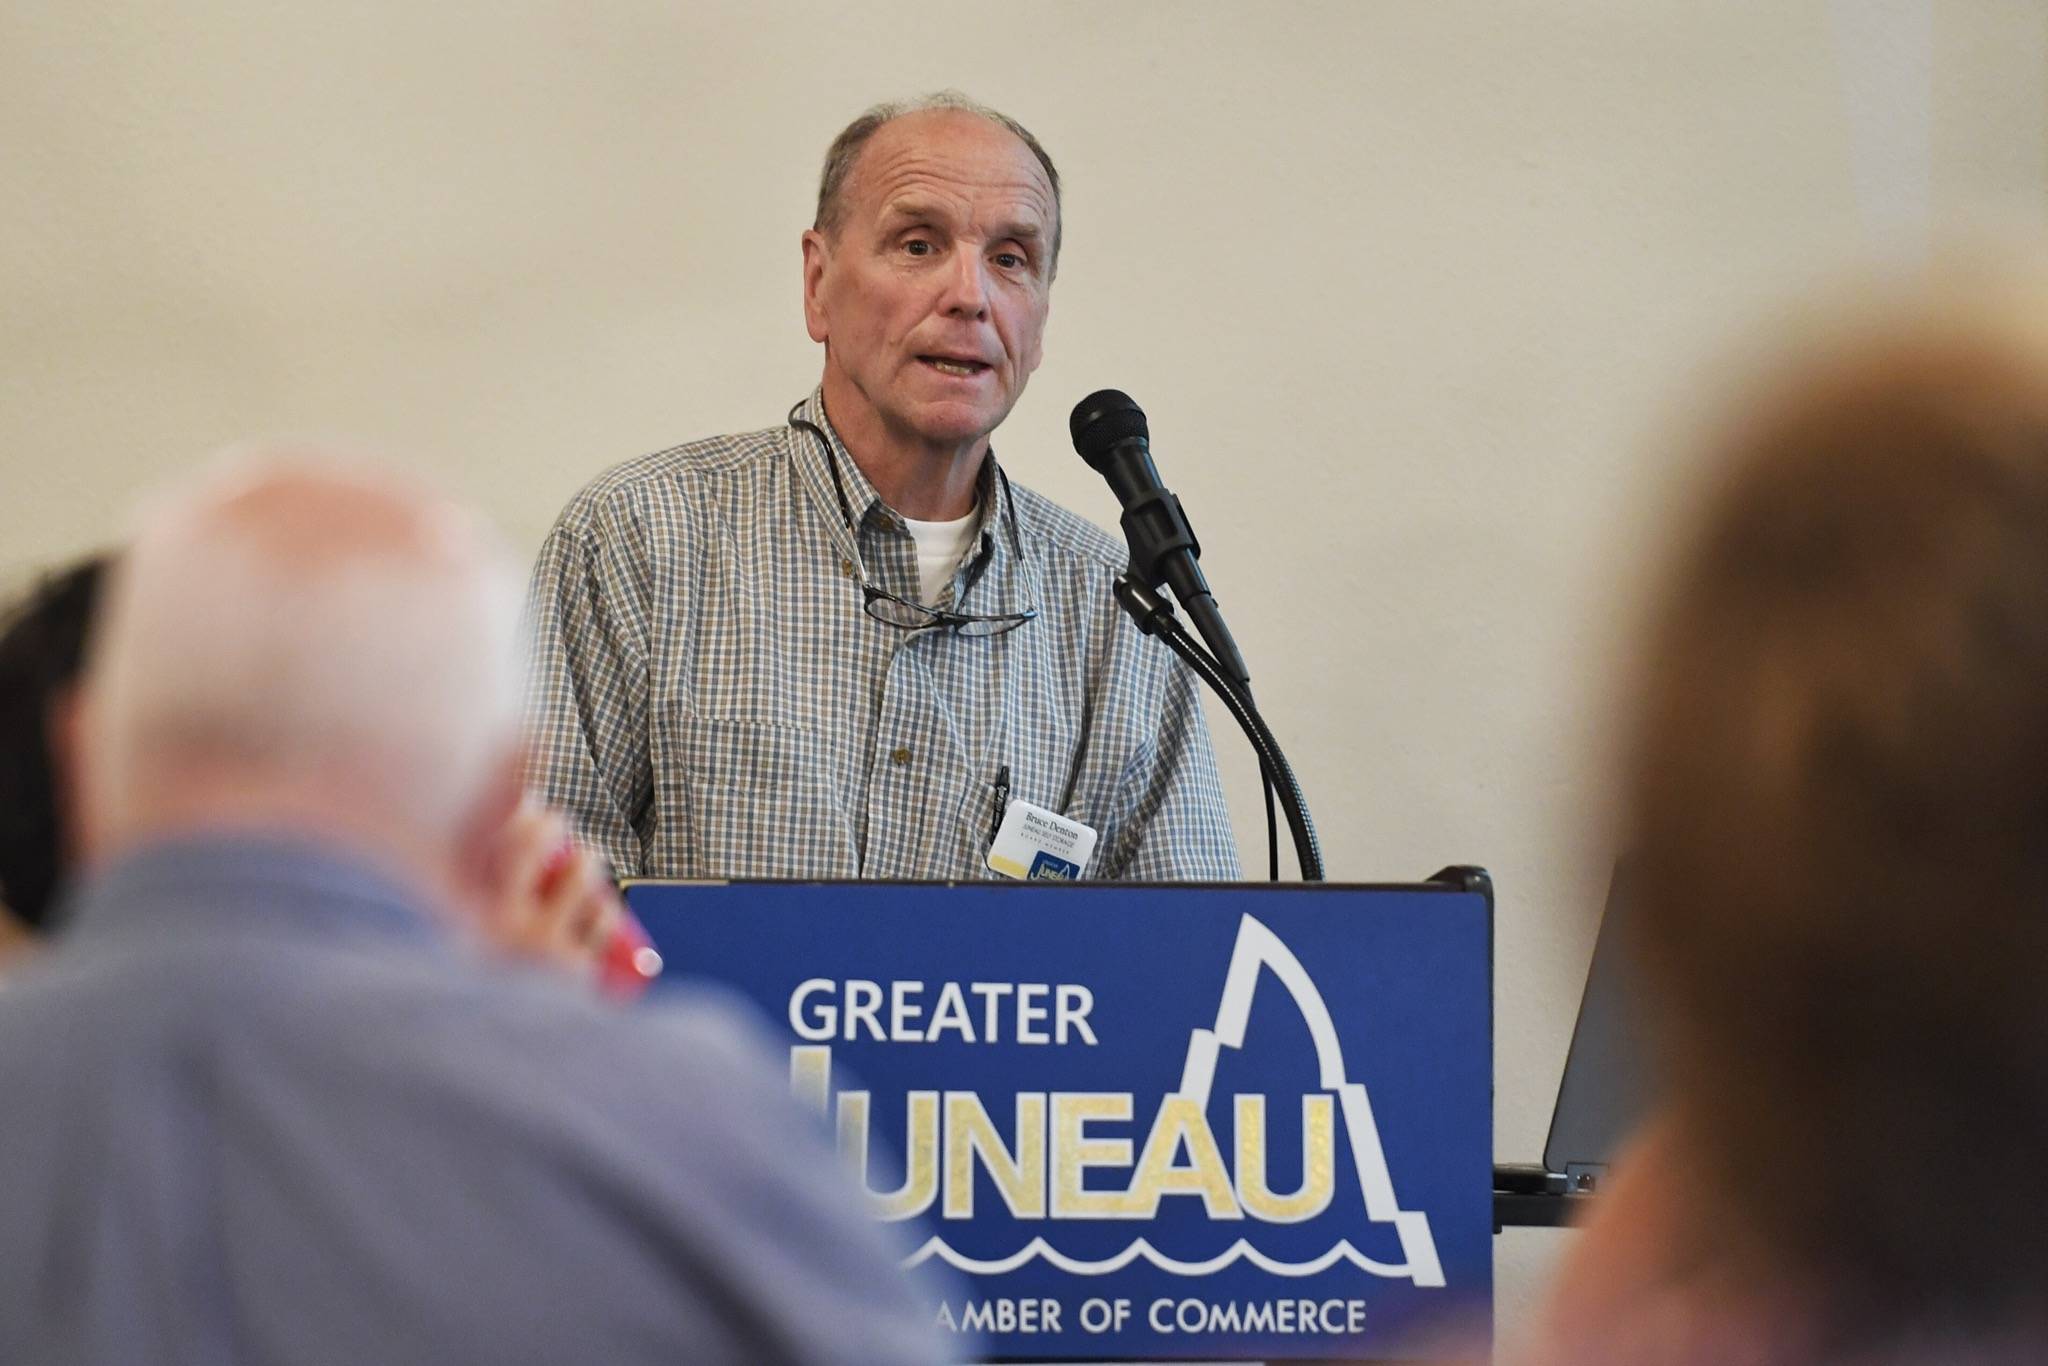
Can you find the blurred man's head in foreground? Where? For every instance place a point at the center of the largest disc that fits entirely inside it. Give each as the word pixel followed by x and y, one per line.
pixel 1839 799
pixel 295 644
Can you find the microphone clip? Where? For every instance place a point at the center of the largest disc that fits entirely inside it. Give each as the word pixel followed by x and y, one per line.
pixel 1152 613
pixel 1156 529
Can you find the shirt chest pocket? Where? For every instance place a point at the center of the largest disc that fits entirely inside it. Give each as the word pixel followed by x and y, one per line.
pixel 745 800
pixel 1047 775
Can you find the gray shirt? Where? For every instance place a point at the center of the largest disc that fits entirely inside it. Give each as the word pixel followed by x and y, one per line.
pixel 257 1107
pixel 712 701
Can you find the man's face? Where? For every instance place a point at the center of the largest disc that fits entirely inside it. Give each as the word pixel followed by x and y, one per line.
pixel 931 293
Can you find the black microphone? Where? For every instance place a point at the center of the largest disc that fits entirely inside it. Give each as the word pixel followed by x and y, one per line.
pixel 1109 431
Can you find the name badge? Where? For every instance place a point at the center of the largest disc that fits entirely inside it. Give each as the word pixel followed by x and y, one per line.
pixel 1035 844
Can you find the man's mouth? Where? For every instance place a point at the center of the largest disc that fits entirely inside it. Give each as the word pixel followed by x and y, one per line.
pixel 951 365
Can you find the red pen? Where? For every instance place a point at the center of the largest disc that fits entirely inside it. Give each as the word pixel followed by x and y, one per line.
pixel 628 963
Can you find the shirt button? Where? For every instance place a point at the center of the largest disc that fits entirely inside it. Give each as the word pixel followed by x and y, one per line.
pixel 899 755
pixel 846 569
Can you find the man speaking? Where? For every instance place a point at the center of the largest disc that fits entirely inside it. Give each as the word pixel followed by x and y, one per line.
pixel 849 645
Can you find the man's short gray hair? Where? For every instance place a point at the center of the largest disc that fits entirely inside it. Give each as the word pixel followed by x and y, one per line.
pixel 292 614
pixel 845 151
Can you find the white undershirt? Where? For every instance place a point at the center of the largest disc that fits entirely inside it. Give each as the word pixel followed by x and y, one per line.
pixel 940 547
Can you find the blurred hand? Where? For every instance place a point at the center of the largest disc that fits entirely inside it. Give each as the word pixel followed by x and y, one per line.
pixel 554 901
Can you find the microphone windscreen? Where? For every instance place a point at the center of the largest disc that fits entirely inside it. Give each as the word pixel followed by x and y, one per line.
pixel 1102 419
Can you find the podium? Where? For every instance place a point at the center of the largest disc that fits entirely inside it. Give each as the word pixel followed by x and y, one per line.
pixel 1142 1122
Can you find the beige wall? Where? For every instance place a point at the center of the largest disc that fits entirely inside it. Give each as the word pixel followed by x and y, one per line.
pixel 1409 289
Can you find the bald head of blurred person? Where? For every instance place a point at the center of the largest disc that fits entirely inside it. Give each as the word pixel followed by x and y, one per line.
pixel 294 647
pixel 258 1101
pixel 1839 817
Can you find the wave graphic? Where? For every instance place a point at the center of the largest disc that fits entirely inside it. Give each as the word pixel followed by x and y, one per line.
pixel 1237 1252
pixel 1258 948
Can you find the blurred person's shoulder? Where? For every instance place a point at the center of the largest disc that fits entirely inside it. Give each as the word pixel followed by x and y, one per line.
pixel 386 998
pixel 698 1126
pixel 651 1051
pixel 406 1086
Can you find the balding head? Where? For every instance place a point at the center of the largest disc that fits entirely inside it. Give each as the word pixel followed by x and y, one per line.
pixel 293 636
pixel 843 157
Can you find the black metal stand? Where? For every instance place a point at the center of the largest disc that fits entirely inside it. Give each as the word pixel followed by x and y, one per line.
pixel 1155 617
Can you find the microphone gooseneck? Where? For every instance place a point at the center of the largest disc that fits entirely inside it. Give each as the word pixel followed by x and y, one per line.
pixel 1156 618
pixel 1111 434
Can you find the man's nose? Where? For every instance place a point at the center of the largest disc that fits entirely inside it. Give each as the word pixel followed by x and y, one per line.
pixel 966 293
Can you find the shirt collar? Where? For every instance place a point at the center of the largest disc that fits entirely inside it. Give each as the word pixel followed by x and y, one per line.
pixel 862 501
pixel 248 877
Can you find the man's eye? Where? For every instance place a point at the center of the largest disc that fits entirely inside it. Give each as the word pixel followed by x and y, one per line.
pixel 917 246
pixel 1009 260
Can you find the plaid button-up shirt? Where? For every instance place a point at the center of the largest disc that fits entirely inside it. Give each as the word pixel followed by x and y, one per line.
pixel 710 699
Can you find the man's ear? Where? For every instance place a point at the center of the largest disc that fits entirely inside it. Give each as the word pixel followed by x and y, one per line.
pixel 1037 350
pixel 817 258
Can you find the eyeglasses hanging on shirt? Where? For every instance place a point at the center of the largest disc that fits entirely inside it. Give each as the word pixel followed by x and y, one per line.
pixel 903 613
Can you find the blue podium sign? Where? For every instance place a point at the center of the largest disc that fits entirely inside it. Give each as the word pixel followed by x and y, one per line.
pixel 1142 1122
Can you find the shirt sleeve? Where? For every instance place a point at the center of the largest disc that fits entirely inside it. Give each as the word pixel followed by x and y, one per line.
pixel 587 710
pixel 1178 827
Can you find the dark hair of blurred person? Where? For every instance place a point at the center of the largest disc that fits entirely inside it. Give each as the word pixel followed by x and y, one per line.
pixel 1839 811
pixel 42 647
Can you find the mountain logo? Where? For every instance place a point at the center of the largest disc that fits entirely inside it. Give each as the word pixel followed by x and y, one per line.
pixel 1038 1167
